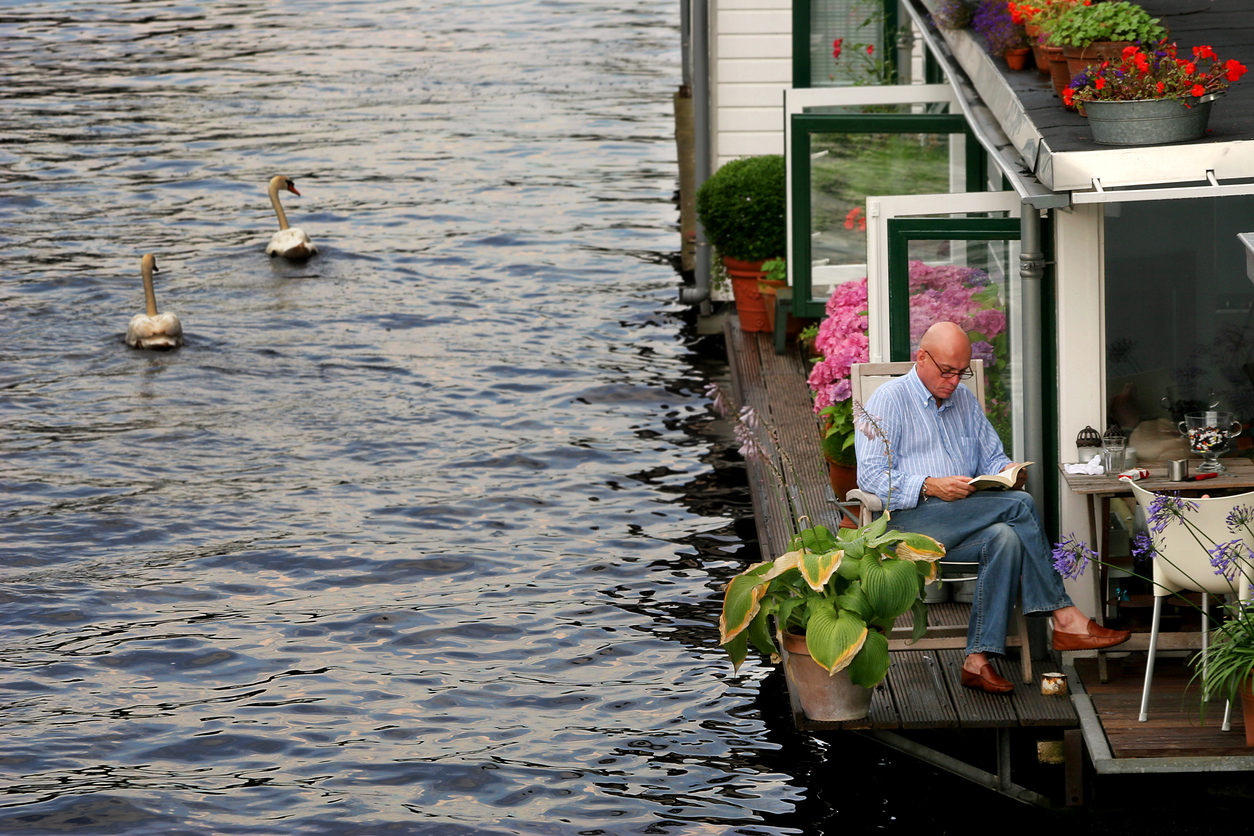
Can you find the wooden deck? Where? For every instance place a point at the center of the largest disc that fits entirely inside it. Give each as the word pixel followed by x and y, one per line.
pixel 922 689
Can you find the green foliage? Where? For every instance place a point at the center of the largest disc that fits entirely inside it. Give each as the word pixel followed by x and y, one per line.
pixel 742 208
pixel 775 270
pixel 868 580
pixel 1118 21
pixel 837 440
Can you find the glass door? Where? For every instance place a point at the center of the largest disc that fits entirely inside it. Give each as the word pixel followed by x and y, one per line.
pixel 953 257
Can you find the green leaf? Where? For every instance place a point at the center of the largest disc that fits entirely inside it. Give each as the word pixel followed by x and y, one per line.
pixel 833 639
pixel 759 633
pixel 737 649
pixel 855 600
pixel 817 568
pixel 919 608
pixel 891 585
pixel 870 665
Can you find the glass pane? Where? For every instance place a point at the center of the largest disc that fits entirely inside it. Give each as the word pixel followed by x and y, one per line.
pixel 975 284
pixel 846 167
pixel 857 24
pixel 1179 320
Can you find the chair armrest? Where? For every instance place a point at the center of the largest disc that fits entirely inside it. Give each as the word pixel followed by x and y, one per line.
pixel 869 501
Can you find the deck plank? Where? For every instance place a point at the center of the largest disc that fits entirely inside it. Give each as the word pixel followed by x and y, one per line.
pixel 918 688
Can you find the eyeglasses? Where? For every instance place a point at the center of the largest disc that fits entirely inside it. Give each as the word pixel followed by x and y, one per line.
pixel 959 374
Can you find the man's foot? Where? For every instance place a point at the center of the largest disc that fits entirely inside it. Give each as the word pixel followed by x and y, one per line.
pixel 986 680
pixel 1095 637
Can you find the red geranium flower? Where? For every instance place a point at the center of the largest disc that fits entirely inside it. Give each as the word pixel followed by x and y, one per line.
pixel 836 48
pixel 870 48
pixel 1198 90
pixel 1101 82
pixel 1189 68
pixel 1129 51
pixel 1201 52
pixel 1235 69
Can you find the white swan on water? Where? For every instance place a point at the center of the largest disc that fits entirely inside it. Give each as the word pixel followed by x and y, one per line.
pixel 289 242
pixel 153 330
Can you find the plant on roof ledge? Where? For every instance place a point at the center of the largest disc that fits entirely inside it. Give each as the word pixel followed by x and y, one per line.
pixel 1161 74
pixel 993 20
pixel 951 15
pixel 1082 25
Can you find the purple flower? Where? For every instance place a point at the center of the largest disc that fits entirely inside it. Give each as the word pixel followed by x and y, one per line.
pixel 864 422
pixel 1242 515
pixel 1226 558
pixel 1143 547
pixel 1168 507
pixel 1072 556
pixel 983 350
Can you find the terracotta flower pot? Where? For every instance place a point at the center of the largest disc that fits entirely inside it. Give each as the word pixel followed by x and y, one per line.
pixel 1038 54
pixel 1058 69
pixel 823 697
pixel 767 288
pixel 750 306
pixel 1017 59
pixel 1080 58
pixel 843 477
pixel 1247 710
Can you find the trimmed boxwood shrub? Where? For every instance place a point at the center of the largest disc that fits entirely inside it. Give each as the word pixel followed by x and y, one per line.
pixel 742 208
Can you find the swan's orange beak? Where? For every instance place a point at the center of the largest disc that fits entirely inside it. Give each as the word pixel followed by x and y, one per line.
pixel 291 188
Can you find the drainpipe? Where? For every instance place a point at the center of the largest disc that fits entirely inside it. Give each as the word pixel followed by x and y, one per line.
pixel 1032 271
pixel 700 293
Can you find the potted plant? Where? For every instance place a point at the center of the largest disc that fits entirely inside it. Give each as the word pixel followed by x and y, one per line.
pixel 742 209
pixel 832 598
pixel 1002 36
pixel 951 15
pixel 1096 33
pixel 775 276
pixel 1045 16
pixel 1150 98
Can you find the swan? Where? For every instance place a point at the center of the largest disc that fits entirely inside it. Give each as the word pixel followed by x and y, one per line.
pixel 289 242
pixel 153 330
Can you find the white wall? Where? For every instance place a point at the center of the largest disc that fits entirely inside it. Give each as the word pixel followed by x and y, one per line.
pixel 751 66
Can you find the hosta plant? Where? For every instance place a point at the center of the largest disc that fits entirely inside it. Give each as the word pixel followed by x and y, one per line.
pixel 842 591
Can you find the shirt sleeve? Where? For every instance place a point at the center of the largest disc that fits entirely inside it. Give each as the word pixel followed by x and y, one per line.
pixel 875 472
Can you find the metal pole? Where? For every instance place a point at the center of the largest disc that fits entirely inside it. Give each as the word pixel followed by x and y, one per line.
pixel 701 152
pixel 685 40
pixel 1032 272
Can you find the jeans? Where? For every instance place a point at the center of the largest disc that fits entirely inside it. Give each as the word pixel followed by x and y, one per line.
pixel 1001 531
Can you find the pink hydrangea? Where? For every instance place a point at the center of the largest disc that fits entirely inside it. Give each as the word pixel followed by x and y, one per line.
pixel 842 341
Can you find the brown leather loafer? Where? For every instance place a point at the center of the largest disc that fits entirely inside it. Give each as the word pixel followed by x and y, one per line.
pixel 986 680
pixel 1096 638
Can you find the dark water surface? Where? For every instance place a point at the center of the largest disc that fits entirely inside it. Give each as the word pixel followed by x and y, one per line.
pixel 415 537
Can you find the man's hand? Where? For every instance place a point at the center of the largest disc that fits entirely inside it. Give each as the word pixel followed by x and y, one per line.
pixel 949 488
pixel 1021 479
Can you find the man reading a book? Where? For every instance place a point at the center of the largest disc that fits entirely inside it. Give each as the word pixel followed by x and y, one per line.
pixel 940 440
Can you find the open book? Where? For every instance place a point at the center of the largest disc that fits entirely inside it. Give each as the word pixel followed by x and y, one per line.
pixel 999 481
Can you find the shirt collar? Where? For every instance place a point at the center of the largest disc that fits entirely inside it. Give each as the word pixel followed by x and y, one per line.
pixel 918 390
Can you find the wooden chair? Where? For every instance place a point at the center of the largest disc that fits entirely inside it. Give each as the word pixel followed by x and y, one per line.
pixel 865 378
pixel 1182 564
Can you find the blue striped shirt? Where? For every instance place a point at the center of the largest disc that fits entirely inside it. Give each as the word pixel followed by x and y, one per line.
pixel 955 439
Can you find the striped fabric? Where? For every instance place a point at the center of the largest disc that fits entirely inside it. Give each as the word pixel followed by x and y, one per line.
pixel 954 440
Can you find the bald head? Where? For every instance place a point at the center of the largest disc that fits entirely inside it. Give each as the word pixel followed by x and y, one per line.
pixel 946 337
pixel 944 351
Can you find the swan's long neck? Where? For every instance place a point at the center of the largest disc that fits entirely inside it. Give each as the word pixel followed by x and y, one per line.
pixel 146 266
pixel 278 207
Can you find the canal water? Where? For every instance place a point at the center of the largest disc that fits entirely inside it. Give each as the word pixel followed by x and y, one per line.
pixel 425 535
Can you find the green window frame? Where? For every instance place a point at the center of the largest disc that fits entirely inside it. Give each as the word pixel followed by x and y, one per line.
pixel 805 124
pixel 802 63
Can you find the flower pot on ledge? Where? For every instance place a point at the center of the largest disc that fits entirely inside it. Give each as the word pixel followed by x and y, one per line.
pixel 750 307
pixel 1017 59
pixel 1080 58
pixel 1149 121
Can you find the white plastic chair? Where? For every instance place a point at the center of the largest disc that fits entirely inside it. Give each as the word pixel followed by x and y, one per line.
pixel 864 379
pixel 1181 564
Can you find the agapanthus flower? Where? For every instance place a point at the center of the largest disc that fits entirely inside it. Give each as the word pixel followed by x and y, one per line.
pixel 1143 547
pixel 1168 507
pixel 1242 515
pixel 1227 558
pixel 1072 556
